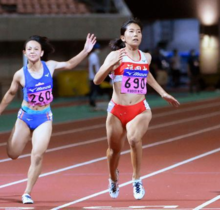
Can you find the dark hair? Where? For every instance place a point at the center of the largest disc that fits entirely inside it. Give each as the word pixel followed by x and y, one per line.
pixel 118 43
pixel 46 46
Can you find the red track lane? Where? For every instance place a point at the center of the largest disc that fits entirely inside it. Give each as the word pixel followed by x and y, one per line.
pixel 186 186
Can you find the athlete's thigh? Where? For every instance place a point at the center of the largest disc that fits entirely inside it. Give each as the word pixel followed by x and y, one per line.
pixel 19 137
pixel 139 125
pixel 41 137
pixel 115 131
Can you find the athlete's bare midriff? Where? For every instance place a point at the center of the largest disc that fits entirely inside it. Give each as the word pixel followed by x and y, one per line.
pixel 125 99
pixel 37 108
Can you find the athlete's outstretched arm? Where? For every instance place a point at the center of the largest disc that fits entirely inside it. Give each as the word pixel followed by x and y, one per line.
pixel 73 62
pixel 154 84
pixel 109 64
pixel 10 94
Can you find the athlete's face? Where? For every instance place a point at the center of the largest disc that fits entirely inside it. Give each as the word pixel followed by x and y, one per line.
pixel 133 35
pixel 33 51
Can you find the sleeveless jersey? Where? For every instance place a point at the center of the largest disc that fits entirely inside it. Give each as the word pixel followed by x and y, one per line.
pixel 132 74
pixel 38 92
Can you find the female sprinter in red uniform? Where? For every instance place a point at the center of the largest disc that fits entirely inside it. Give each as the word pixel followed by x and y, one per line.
pixel 35 116
pixel 128 112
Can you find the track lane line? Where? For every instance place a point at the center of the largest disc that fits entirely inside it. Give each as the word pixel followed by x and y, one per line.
pixel 122 153
pixel 150 127
pixel 187 109
pixel 104 138
pixel 154 116
pixel 59 148
pixel 207 203
pixel 143 177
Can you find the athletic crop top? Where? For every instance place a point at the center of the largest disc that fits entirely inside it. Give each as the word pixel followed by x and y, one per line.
pixel 128 63
pixel 38 92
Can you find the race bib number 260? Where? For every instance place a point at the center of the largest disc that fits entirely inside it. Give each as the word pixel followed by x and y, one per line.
pixel 134 81
pixel 40 95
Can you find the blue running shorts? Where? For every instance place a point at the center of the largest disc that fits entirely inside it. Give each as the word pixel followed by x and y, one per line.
pixel 34 118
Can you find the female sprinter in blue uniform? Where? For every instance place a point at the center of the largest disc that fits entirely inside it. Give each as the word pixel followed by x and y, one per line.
pixel 35 116
pixel 128 112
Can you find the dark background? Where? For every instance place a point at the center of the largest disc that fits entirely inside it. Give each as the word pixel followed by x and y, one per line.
pixel 162 9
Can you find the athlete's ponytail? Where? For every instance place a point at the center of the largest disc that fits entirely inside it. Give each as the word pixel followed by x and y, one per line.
pixel 46 46
pixel 118 43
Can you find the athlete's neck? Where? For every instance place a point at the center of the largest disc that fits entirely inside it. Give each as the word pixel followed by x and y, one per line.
pixel 35 66
pixel 133 53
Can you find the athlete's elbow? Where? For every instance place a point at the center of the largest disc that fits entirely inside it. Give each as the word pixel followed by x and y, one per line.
pixel 68 67
pixel 96 81
pixel 12 92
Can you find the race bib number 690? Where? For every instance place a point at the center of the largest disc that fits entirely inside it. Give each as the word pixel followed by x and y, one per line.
pixel 134 81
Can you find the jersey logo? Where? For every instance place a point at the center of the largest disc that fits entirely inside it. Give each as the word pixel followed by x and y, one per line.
pixel 46 75
pixel 32 90
pixel 40 83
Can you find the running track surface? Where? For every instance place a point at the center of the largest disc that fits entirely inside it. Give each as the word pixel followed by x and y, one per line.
pixel 180 169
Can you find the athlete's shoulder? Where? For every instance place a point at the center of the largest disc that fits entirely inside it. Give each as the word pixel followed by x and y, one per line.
pixel 112 53
pixel 18 74
pixel 50 63
pixel 148 57
pixel 110 56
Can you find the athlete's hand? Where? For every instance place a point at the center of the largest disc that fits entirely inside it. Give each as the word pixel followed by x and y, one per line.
pixel 90 42
pixel 171 100
pixel 115 57
pixel 119 55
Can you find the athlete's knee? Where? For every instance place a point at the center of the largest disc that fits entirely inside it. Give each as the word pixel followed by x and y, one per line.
pixel 12 155
pixel 37 158
pixel 133 141
pixel 113 151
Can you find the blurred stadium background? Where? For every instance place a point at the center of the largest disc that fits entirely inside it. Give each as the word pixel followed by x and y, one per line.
pixel 169 24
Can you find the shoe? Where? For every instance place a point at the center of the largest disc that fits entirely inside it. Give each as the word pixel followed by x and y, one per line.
pixel 26 199
pixel 138 189
pixel 113 187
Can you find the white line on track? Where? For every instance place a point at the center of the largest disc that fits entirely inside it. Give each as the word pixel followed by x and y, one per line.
pixel 154 116
pixel 16 208
pixel 79 129
pixel 185 120
pixel 133 207
pixel 187 109
pixel 207 203
pixel 104 138
pixel 2 144
pixel 206 101
pixel 72 131
pixel 150 127
pixel 174 111
pixel 122 153
pixel 143 177
pixel 59 148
